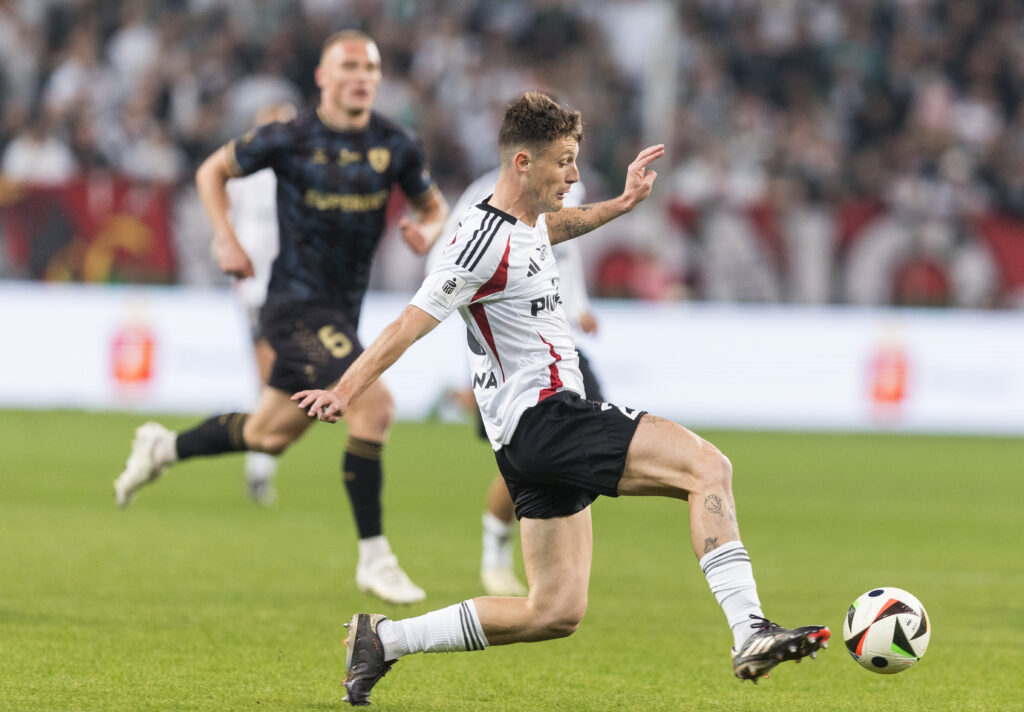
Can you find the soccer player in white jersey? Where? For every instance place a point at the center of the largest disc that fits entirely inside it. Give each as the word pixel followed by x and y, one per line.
pixel 253 212
pixel 556 451
pixel 497 574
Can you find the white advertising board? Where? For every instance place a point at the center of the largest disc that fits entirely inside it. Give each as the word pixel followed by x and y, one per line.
pixel 815 368
pixel 764 367
pixel 159 349
pixel 131 348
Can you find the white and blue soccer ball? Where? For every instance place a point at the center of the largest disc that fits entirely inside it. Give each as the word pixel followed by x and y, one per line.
pixel 886 630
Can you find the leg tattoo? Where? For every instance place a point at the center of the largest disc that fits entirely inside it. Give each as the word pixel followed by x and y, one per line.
pixel 713 503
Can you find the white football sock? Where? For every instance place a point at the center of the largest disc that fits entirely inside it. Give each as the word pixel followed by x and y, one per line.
pixel 443 631
pixel 731 579
pixel 165 449
pixel 373 547
pixel 497 549
pixel 259 466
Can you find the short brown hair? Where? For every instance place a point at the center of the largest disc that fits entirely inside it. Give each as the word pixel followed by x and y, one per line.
pixel 341 36
pixel 533 121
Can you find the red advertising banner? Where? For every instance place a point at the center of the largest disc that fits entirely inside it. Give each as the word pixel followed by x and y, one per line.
pixel 89 230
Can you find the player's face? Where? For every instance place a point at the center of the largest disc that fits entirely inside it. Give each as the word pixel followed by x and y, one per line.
pixel 553 173
pixel 349 75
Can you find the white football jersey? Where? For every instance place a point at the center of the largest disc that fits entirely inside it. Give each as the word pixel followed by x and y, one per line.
pixel 572 286
pixel 501 276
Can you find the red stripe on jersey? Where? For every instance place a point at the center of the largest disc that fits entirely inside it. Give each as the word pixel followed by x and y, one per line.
pixel 495 284
pixel 499 279
pixel 556 381
pixel 480 317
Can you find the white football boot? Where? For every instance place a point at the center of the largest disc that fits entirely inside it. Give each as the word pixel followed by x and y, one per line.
pixel 381 576
pixel 143 466
pixel 260 468
pixel 496 571
pixel 501 582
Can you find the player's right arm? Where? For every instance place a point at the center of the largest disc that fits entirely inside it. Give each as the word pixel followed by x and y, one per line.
pixel 463 267
pixel 211 183
pixel 396 338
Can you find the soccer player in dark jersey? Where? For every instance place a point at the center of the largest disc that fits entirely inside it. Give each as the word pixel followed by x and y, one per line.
pixel 335 167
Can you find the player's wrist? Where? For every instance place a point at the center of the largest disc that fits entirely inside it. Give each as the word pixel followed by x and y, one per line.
pixel 225 238
pixel 624 203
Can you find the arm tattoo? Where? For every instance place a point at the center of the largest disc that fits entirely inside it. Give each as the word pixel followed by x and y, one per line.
pixel 573 222
pixel 710 544
pixel 575 227
pixel 713 503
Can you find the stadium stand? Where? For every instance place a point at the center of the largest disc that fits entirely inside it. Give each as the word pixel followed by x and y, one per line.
pixel 818 149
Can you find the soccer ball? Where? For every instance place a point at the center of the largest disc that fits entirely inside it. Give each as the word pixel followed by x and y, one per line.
pixel 886 630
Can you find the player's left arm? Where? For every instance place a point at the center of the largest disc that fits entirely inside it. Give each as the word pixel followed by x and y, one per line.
pixel 568 223
pixel 396 338
pixel 430 211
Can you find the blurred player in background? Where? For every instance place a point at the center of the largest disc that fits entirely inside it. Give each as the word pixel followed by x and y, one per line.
pixel 497 572
pixel 335 168
pixel 557 451
pixel 254 219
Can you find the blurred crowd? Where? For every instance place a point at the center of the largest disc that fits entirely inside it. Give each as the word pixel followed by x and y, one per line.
pixel 818 150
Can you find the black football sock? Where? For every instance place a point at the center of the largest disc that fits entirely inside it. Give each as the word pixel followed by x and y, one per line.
pixel 361 471
pixel 219 434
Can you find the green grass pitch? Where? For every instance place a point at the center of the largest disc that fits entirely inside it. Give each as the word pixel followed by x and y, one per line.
pixel 193 599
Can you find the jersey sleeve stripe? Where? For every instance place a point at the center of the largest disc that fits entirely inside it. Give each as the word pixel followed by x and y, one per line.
pixel 471 243
pixel 489 224
pixel 483 250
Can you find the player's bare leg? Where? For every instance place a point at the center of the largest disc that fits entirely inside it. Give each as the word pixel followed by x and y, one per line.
pixel 557 554
pixel 274 426
pixel 369 422
pixel 497 573
pixel 667 459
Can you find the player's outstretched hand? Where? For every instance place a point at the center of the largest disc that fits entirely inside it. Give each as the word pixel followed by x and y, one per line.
pixel 639 180
pixel 415 238
pixel 326 406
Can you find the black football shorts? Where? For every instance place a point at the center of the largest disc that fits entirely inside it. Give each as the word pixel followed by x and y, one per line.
pixel 313 344
pixel 591 389
pixel 565 452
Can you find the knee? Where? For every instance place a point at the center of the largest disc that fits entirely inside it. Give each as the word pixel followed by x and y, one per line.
pixel 382 414
pixel 564 626
pixel 716 470
pixel 563 621
pixel 374 416
pixel 270 443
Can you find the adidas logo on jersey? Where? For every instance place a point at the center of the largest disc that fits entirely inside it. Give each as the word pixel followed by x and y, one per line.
pixel 533 269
